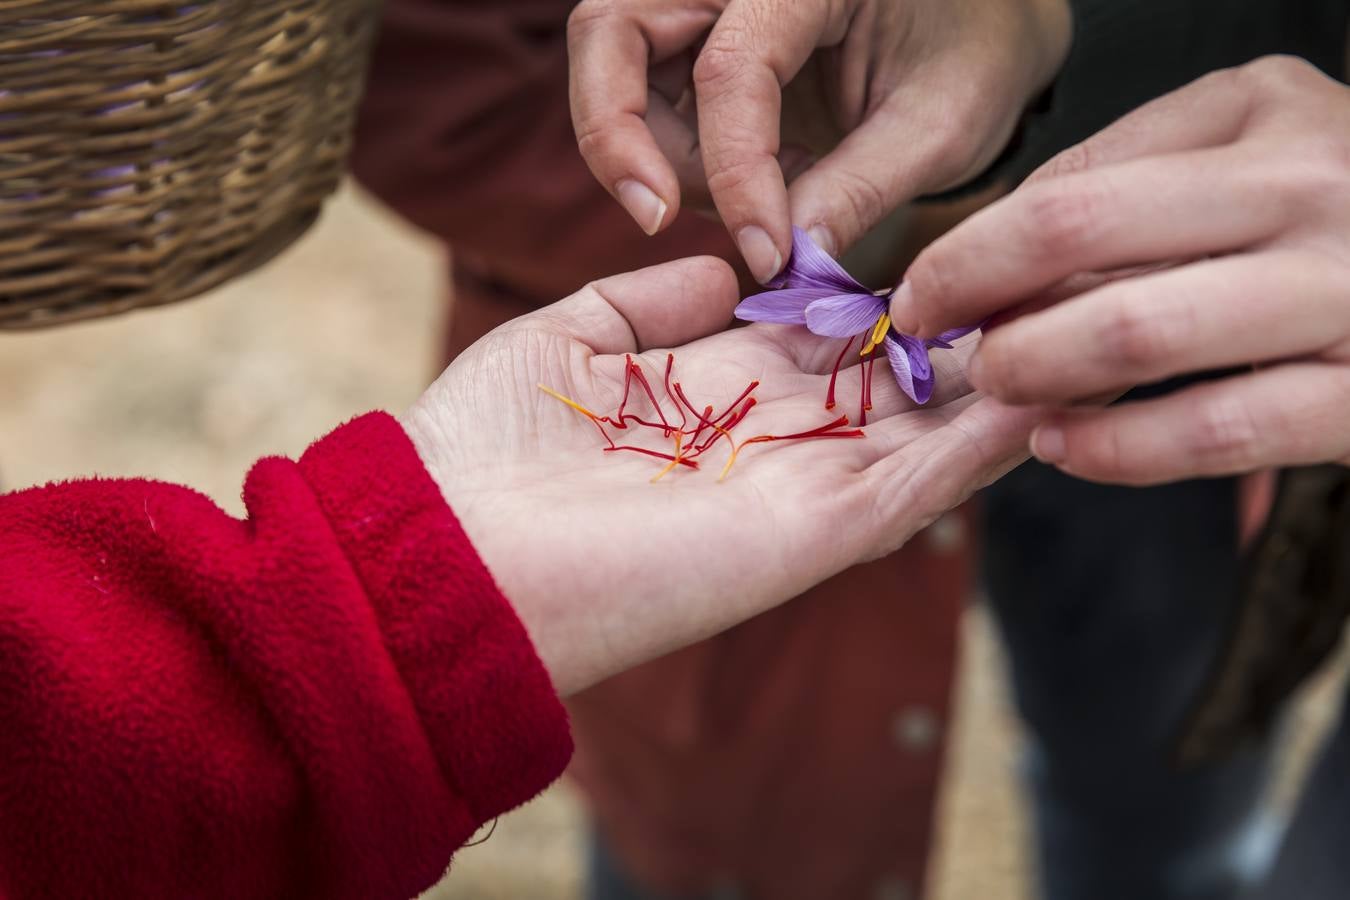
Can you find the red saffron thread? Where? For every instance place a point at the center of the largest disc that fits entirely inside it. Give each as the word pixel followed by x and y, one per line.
pixel 651 395
pixel 824 431
pixel 670 364
pixel 687 451
pixel 732 406
pixel 655 453
pixel 865 403
pixel 702 423
pixel 679 392
pixel 834 374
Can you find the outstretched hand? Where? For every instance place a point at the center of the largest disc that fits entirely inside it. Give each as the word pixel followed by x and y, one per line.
pixel 607 569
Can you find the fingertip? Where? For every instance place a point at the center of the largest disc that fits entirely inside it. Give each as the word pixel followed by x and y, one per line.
pixel 824 239
pixel 646 207
pixel 1048 443
pixel 762 254
pixel 904 317
pixel 713 275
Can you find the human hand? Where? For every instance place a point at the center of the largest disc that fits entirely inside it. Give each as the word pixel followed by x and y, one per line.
pixel 608 570
pixel 923 93
pixel 1230 201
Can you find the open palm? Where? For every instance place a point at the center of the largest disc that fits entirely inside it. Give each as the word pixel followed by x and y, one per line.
pixel 608 569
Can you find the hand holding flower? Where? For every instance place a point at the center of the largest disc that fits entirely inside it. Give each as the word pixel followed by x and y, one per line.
pixel 818 293
pixel 1221 214
pixel 862 104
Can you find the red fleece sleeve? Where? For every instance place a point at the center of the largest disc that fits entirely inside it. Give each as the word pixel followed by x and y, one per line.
pixel 321 701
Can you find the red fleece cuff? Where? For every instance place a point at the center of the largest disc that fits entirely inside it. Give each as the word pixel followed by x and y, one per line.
pixel 488 706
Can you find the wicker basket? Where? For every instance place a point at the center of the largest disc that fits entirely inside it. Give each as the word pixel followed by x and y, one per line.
pixel 149 151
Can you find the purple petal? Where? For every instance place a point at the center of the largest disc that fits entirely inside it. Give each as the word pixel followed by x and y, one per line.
pixel 812 267
pixel 844 315
pixel 786 307
pixel 944 341
pixel 909 362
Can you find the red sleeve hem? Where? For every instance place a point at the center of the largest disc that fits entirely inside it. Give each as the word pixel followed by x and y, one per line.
pixel 488 706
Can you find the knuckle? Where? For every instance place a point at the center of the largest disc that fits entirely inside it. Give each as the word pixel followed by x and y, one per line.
pixel 862 197
pixel 955 155
pixel 1064 217
pixel 1323 170
pixel 730 173
pixel 719 63
pixel 1102 452
pixel 588 14
pixel 1277 73
pixel 1225 433
pixel 1137 336
pixel 1078 158
pixel 597 143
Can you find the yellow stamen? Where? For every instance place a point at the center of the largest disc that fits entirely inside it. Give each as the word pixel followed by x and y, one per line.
pixel 731 461
pixel 679 435
pixel 879 332
pixel 570 402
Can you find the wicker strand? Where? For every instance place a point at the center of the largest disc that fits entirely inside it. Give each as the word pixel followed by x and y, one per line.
pixel 150 151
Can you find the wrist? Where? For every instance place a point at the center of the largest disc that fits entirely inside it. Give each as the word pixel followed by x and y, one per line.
pixel 487 523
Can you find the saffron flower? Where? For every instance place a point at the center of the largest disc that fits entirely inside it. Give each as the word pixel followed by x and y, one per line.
pixel 815 291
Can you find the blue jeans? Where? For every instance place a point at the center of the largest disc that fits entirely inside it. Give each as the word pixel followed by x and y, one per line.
pixel 606 879
pixel 1113 604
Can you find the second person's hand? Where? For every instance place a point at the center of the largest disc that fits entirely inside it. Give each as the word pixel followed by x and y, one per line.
pixel 919 95
pixel 1221 216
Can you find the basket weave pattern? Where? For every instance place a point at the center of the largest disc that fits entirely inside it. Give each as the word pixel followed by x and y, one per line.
pixel 149 151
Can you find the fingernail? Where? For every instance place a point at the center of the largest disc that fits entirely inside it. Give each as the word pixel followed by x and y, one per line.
pixel 1047 444
pixel 902 312
pixel 647 209
pixel 760 253
pixel 824 240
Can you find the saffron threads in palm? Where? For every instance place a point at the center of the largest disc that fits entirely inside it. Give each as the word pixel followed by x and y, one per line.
pixel 685 437
pixel 824 431
pixel 704 421
pixel 689 463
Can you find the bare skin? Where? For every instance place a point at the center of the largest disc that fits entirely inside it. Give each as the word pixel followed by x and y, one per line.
pixel 1218 219
pixel 861 104
pixel 608 570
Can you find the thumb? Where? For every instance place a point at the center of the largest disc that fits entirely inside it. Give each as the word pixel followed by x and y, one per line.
pixel 907 148
pixel 661 306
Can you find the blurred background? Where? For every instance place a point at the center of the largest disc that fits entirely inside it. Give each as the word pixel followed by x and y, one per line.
pixel 350 319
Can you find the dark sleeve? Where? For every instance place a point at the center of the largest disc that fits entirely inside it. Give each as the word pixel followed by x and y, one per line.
pixel 1128 52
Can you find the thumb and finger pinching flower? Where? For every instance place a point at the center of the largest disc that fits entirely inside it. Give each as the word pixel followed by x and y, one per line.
pixel 813 291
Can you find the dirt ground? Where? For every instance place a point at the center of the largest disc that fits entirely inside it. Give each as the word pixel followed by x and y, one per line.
pixel 349 321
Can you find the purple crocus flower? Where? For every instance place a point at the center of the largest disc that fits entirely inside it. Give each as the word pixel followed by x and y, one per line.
pixel 815 291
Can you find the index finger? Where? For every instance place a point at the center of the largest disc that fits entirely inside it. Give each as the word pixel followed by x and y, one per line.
pixel 756 47
pixel 1144 189
pixel 610 46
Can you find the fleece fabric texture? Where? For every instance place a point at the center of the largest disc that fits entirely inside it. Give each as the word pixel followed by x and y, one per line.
pixel 323 700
